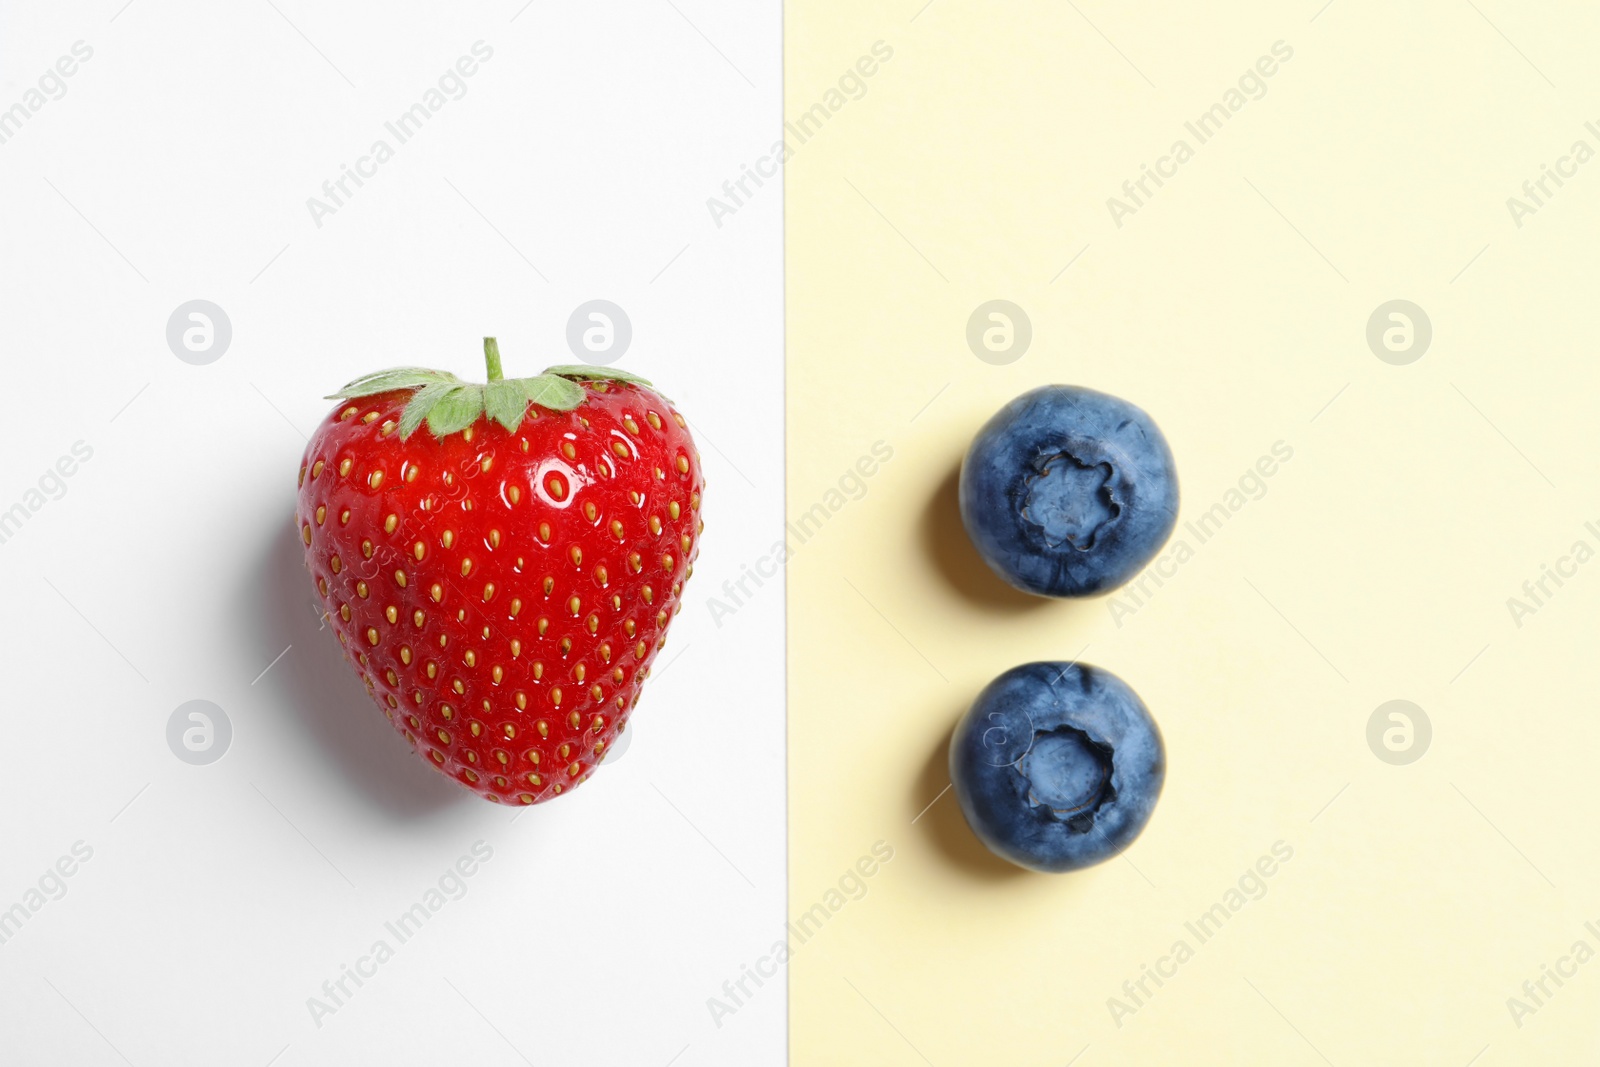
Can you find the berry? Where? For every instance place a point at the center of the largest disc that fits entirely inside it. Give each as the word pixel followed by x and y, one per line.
pixel 1068 492
pixel 1057 766
pixel 503 582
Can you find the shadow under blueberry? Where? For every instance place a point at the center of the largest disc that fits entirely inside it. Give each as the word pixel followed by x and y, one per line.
pixel 316 690
pixel 947 828
pixel 945 540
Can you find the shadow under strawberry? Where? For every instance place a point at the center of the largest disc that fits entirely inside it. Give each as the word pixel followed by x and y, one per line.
pixel 314 690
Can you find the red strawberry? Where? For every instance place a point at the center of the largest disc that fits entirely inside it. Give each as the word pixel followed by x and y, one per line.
pixel 503 582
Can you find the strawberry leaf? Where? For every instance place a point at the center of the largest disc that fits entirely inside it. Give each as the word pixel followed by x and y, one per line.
pixel 584 372
pixel 505 403
pixel 551 392
pixel 447 405
pixel 385 381
pixel 420 404
pixel 457 409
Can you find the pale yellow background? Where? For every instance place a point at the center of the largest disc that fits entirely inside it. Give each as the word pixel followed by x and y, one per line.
pixel 1377 566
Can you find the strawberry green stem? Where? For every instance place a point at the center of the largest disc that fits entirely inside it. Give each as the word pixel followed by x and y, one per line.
pixel 447 405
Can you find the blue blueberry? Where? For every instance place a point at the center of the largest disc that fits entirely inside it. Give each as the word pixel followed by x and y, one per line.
pixel 1068 492
pixel 1057 766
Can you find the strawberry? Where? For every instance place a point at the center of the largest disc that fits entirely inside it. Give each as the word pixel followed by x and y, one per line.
pixel 502 582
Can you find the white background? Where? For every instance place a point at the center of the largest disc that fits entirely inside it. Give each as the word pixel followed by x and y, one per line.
pixel 219 898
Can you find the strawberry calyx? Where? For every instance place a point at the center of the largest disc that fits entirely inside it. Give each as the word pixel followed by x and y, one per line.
pixel 449 405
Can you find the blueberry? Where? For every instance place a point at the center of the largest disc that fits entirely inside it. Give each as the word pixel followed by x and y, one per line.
pixel 1057 766
pixel 1068 492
